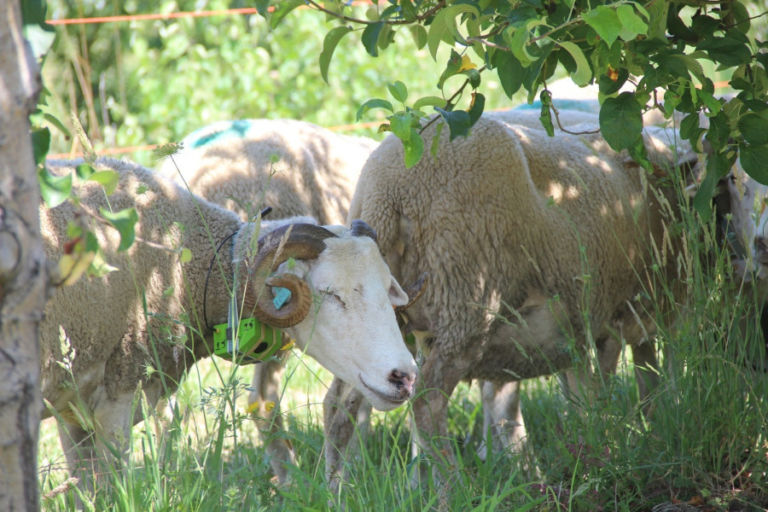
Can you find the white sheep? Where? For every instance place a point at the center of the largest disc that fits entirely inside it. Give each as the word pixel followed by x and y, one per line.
pixel 521 234
pixel 294 167
pixel 146 323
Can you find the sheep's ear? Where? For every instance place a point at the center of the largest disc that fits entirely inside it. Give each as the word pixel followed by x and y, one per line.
pixel 397 295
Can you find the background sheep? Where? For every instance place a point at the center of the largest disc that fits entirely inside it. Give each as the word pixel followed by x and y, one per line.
pixel 146 323
pixel 521 234
pixel 294 167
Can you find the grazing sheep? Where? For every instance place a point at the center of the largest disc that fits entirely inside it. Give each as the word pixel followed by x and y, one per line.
pixel 146 323
pixel 522 235
pixel 294 167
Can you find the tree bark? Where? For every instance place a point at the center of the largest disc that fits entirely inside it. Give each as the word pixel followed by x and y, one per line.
pixel 23 271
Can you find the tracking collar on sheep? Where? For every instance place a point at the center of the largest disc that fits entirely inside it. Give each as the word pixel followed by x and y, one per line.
pixel 254 339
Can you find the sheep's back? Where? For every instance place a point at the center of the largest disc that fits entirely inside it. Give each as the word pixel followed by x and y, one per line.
pixel 232 164
pixel 106 319
pixel 504 212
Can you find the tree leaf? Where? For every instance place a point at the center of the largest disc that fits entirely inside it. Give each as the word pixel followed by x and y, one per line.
pixel 370 38
pixel 41 142
pixel 429 101
pixel 476 107
pixel 621 121
pixel 371 104
pixel 458 121
pixel 330 42
pixel 107 178
pixel 632 25
pixel 413 149
pixel 125 223
pixel 583 74
pixel 605 22
pixel 754 128
pixel 510 72
pixel 419 34
pixel 400 124
pixel 54 189
pixel 753 159
pixel 398 90
pixel 281 11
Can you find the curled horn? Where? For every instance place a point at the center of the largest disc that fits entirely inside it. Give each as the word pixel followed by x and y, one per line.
pixel 414 291
pixel 361 228
pixel 298 241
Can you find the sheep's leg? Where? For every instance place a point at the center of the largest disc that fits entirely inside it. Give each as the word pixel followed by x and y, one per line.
pixel 89 449
pixel 503 422
pixel 264 404
pixel 438 378
pixel 80 451
pixel 582 382
pixel 646 367
pixel 345 414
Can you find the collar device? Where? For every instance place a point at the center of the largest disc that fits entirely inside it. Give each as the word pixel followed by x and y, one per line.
pixel 248 342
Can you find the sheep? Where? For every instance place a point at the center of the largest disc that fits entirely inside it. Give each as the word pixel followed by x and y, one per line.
pixel 232 164
pixel 519 232
pixel 143 325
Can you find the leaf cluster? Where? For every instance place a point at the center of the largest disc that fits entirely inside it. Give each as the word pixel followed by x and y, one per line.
pixel 641 54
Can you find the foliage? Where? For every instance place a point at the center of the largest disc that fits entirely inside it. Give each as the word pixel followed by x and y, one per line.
pixel 635 51
pixel 141 83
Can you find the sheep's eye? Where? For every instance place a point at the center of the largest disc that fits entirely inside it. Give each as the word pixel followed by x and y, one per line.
pixel 335 297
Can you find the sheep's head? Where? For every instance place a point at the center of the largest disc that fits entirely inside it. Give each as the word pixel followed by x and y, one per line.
pixel 341 310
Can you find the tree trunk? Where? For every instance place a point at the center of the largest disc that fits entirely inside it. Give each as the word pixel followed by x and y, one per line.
pixel 23 271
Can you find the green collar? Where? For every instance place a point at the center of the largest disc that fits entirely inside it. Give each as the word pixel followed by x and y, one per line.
pixel 252 341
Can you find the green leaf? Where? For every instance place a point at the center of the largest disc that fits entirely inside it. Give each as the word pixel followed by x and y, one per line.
pixel 186 255
pixel 429 101
pixel 754 128
pixel 583 73
pixel 371 104
pixel 84 171
pixel 281 11
pixel 605 22
pixel 107 178
pixel 476 108
pixel 125 222
pixel 398 90
pixel 54 189
pixel 458 121
pixel 443 26
pixel 419 34
pixel 731 50
pixel 621 121
pixel 632 25
pixel 370 38
pixel 41 142
pixel 719 131
pixel 400 124
pixel 413 149
pixel 39 34
pixel 753 159
pixel 330 42
pixel 718 165
pixel 510 72
pixel 517 38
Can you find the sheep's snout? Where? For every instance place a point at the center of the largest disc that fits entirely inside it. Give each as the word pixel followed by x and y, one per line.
pixel 403 382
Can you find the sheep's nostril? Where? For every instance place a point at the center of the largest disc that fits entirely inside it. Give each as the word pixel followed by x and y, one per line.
pixel 403 381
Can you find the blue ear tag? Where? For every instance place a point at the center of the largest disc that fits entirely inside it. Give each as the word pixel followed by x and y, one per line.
pixel 282 295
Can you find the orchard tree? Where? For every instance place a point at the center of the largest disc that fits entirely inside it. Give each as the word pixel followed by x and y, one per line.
pixel 23 270
pixel 647 54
